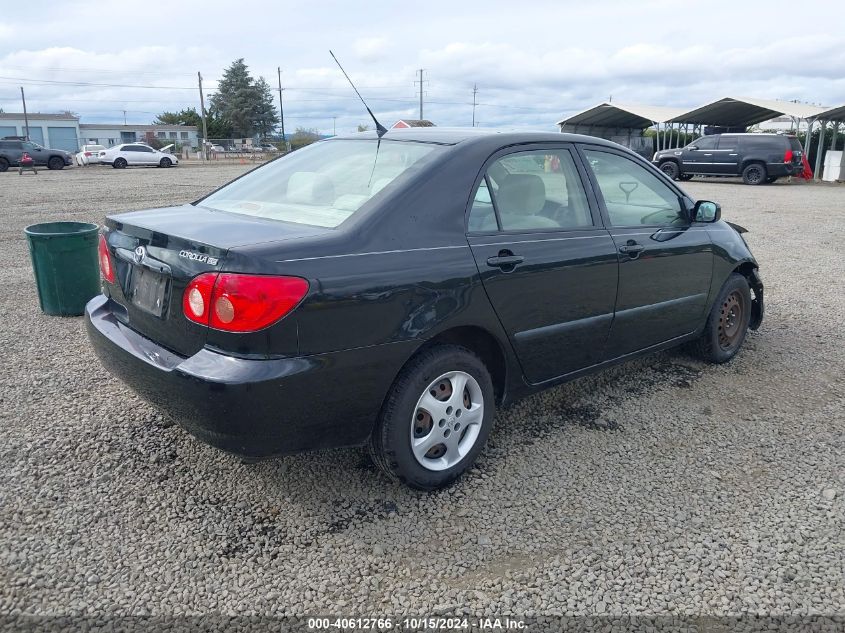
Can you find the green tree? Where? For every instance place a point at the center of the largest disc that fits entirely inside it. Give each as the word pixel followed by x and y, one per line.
pixel 303 137
pixel 188 116
pixel 243 105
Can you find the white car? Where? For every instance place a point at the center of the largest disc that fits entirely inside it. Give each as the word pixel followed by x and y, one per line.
pixel 135 154
pixel 89 155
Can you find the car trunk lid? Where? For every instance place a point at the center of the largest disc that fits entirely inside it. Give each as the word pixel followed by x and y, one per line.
pixel 157 252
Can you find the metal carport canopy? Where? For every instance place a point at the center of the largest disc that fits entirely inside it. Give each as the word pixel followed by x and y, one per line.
pixel 745 111
pixel 833 115
pixel 617 115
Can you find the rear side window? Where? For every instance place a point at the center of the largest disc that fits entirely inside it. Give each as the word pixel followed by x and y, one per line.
pixel 728 142
pixel 763 143
pixel 795 144
pixel 10 145
pixel 531 190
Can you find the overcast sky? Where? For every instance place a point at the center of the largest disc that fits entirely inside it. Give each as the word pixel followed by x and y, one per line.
pixel 533 61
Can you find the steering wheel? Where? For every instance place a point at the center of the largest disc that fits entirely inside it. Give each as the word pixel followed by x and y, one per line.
pixel 658 215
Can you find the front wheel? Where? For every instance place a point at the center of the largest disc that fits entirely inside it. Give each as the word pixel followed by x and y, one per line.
pixel 165 162
pixel 754 174
pixel 670 168
pixel 55 163
pixel 436 418
pixel 727 324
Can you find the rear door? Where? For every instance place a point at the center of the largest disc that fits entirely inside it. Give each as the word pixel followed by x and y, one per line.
pixel 665 261
pixel 548 265
pixel 38 153
pixel 726 155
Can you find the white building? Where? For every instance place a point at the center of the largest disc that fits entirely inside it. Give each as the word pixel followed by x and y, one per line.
pixel 109 134
pixel 58 131
pixel 64 131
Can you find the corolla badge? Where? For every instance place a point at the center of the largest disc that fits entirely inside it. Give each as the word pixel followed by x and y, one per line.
pixel 140 254
pixel 198 257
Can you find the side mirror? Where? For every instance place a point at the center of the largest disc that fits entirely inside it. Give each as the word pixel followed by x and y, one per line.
pixel 706 211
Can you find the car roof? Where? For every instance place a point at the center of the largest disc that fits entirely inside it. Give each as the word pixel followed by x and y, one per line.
pixel 456 135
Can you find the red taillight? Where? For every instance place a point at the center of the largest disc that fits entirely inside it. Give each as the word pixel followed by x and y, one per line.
pixel 787 157
pixel 88 153
pixel 197 298
pixel 106 267
pixel 241 303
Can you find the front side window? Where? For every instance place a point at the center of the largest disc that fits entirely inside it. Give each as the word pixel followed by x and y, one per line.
pixel 322 184
pixel 705 142
pixel 633 195
pixel 531 190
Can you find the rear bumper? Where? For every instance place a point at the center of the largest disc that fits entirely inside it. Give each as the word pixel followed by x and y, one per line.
pixel 783 169
pixel 252 408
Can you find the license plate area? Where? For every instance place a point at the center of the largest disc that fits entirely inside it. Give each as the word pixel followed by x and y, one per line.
pixel 149 290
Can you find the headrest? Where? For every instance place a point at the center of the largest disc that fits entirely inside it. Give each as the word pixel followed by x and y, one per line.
pixel 310 188
pixel 521 194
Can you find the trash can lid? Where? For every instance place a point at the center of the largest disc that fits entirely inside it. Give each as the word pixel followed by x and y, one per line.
pixel 61 228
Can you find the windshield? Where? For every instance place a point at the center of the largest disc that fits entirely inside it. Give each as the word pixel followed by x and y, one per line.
pixel 323 184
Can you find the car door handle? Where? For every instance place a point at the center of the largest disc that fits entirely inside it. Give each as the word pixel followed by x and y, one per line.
pixel 632 249
pixel 505 261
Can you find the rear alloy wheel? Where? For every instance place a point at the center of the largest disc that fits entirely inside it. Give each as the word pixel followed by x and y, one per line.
pixel 55 163
pixel 754 174
pixel 727 323
pixel 436 418
pixel 120 163
pixel 4 165
pixel 165 162
pixel 670 168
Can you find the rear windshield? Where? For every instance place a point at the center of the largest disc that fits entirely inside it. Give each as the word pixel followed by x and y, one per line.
pixel 323 184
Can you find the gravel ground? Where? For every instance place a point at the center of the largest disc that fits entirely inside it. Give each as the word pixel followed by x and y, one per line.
pixel 664 486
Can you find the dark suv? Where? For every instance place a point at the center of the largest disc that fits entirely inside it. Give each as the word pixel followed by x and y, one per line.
pixel 758 158
pixel 12 150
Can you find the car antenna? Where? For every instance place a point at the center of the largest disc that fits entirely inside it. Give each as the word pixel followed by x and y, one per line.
pixel 380 129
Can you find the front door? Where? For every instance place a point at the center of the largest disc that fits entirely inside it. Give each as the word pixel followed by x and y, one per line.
pixel 699 156
pixel 665 261
pixel 548 266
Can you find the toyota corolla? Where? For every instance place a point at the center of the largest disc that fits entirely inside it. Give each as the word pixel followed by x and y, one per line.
pixel 395 291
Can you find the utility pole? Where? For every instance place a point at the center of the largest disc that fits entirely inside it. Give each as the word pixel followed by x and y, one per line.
pixel 334 126
pixel 474 92
pixel 25 116
pixel 124 117
pixel 421 82
pixel 282 108
pixel 204 124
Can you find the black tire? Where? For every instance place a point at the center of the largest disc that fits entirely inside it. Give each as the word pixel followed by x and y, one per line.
pixel 119 163
pixel 727 324
pixel 390 443
pixel 685 177
pixel 671 169
pixel 165 162
pixel 55 163
pixel 754 174
pixel 4 165
pixel 771 179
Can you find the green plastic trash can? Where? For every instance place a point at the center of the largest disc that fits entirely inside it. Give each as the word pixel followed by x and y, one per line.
pixel 64 258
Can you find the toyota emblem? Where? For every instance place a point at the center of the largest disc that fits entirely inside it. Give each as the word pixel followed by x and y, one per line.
pixel 140 254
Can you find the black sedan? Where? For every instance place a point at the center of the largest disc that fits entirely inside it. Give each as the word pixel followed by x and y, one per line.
pixel 395 291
